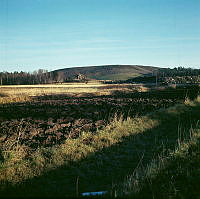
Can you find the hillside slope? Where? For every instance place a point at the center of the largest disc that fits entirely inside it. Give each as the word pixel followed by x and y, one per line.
pixel 107 72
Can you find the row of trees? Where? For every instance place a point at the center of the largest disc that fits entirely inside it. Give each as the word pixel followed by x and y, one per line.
pixel 180 71
pixel 38 77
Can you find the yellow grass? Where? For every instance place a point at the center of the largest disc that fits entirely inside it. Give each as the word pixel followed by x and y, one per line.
pixel 82 85
pixel 72 89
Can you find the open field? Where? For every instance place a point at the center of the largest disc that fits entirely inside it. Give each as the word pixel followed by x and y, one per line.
pixel 67 142
pixel 73 89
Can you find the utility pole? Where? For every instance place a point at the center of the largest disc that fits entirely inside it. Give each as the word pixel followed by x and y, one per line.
pixel 156 78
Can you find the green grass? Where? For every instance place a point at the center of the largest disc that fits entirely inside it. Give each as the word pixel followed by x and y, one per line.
pixel 123 149
pixel 119 76
pixel 172 175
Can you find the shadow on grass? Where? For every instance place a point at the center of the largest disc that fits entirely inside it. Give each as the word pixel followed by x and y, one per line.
pixel 180 178
pixel 109 166
pixel 3 95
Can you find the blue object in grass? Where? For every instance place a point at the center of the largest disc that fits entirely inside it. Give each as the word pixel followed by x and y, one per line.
pixel 94 193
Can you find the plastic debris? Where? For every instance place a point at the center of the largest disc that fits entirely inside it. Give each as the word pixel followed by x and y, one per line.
pixel 94 193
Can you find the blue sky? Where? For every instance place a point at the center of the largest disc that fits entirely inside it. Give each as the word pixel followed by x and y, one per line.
pixel 53 34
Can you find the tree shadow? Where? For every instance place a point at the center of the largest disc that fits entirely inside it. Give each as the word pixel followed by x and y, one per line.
pixel 179 92
pixel 104 169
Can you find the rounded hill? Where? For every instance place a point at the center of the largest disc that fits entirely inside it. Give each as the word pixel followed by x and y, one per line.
pixel 107 72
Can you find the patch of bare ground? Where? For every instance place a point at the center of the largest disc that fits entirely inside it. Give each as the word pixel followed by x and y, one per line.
pixel 51 119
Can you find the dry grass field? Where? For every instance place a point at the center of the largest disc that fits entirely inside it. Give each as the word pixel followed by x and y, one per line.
pixel 62 140
pixel 72 89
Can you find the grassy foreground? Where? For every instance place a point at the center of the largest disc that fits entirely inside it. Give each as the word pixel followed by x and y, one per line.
pixel 146 149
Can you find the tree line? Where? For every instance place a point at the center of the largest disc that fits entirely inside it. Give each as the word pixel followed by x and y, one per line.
pixel 16 78
pixel 178 71
pixel 26 78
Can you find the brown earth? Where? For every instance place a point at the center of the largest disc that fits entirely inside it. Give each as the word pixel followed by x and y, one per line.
pixel 50 120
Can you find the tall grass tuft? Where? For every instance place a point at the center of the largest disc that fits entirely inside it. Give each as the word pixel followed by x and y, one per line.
pixel 172 174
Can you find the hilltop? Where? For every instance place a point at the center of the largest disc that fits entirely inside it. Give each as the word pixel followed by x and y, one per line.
pixel 107 72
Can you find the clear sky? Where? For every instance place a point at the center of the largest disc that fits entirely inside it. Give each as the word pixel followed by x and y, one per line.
pixel 53 34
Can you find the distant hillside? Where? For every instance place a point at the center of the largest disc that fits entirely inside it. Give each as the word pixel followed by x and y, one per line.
pixel 106 72
pixel 115 73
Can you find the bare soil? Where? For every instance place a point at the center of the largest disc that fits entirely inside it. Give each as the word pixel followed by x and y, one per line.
pixel 51 119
